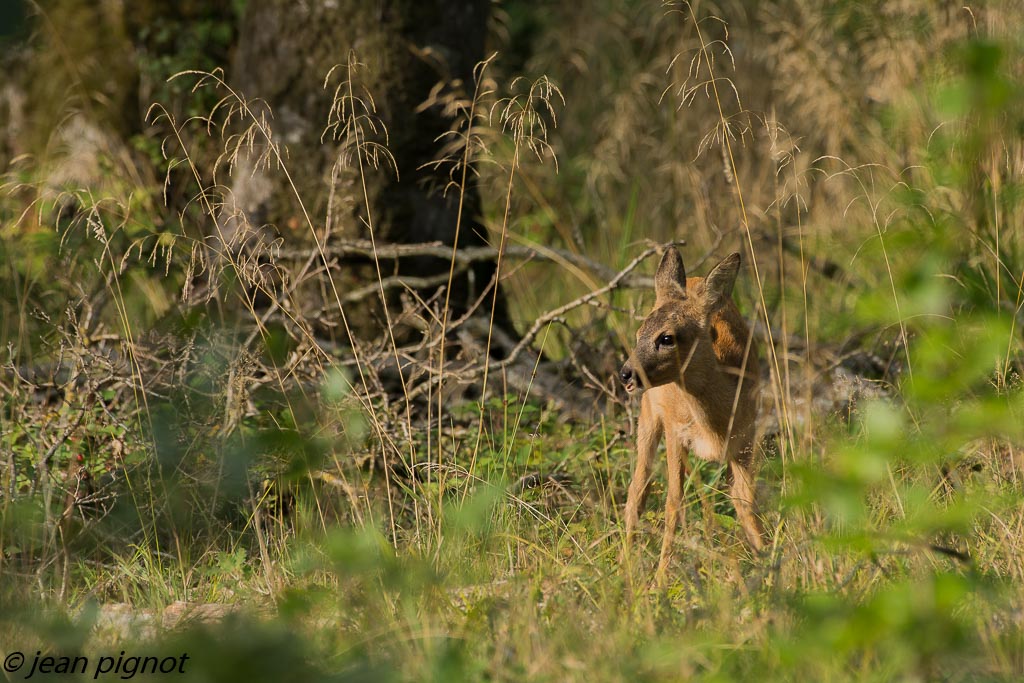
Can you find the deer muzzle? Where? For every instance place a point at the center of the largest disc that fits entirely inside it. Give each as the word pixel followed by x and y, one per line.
pixel 628 377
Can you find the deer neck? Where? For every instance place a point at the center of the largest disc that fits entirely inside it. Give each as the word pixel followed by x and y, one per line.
pixel 704 380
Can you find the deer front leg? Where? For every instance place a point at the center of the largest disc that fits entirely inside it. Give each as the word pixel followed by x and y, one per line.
pixel 673 503
pixel 742 494
pixel 648 434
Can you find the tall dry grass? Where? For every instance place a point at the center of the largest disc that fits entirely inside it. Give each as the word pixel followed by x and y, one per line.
pixel 865 158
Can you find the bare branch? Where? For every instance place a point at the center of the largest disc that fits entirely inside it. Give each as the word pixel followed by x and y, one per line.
pixel 464 256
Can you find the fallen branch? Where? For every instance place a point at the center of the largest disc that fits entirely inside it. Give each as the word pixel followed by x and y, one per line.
pixel 617 281
pixel 466 256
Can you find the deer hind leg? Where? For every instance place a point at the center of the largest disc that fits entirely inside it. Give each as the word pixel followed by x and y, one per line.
pixel 742 493
pixel 649 431
pixel 673 502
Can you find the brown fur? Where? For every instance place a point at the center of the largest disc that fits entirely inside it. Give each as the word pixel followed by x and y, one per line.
pixel 700 392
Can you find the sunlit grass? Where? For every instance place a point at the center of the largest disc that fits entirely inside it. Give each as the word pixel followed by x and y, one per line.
pixel 357 538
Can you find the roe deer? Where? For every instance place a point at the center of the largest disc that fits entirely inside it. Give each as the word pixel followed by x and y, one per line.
pixel 697 363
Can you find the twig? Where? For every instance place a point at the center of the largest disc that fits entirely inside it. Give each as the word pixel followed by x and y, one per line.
pixel 397 282
pixel 464 256
pixel 554 314
pixel 617 280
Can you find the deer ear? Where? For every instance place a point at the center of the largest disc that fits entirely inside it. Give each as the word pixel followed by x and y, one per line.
pixel 670 280
pixel 719 282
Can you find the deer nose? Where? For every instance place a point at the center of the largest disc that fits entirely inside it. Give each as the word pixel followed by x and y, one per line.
pixel 626 374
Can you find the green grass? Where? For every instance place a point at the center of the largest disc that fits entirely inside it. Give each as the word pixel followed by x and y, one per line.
pixel 481 539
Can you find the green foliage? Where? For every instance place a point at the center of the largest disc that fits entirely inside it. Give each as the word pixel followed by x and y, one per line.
pixel 364 544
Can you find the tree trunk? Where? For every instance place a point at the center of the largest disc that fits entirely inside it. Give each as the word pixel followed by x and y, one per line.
pixel 408 48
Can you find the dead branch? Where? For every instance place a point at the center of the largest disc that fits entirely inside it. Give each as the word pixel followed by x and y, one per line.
pixel 470 372
pixel 616 282
pixel 466 256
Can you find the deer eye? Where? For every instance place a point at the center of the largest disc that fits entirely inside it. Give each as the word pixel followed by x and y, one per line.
pixel 664 340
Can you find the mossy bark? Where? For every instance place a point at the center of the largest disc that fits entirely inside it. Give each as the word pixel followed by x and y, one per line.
pixel 406 49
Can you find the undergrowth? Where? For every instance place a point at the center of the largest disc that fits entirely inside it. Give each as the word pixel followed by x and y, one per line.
pixel 175 429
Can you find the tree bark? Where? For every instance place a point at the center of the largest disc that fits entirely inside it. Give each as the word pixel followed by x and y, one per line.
pixel 407 48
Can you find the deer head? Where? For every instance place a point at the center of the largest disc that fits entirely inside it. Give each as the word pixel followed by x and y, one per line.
pixel 676 339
